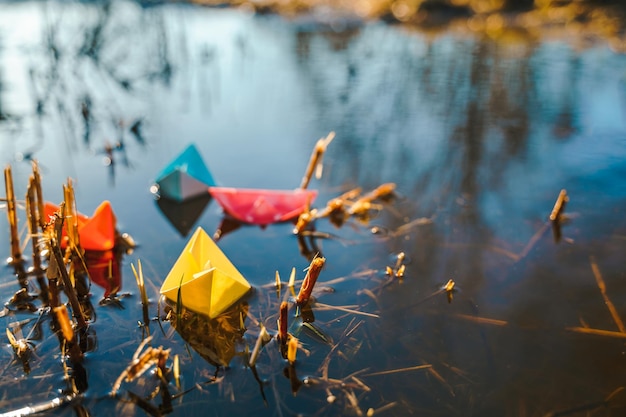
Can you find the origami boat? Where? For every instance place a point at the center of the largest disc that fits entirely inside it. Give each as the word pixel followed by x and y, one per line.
pixel 204 277
pixel 185 177
pixel 96 233
pixel 262 207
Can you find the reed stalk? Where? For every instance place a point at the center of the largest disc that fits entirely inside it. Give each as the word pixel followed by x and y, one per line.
pixel 283 324
pixel 309 281
pixel 316 158
pixel 16 253
pixel 59 264
pixel 67 331
pixel 263 338
pixel 33 227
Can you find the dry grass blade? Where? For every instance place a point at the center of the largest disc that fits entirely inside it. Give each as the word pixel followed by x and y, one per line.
pixel 400 370
pixel 316 157
pixel 320 306
pixel 482 320
pixel 559 206
pixel 373 411
pixel 597 332
pixel 533 241
pixel 607 301
pixel 16 254
pixel 309 281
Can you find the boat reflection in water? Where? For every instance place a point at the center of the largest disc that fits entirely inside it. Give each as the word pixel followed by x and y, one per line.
pixel 104 270
pixel 217 340
pixel 183 215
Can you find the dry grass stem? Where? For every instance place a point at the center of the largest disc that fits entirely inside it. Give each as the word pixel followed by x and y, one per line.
pixel 316 159
pixel 71 217
pixel 607 301
pixel 283 323
pixel 65 324
pixel 533 241
pixel 309 280
pixel 16 254
pixel 321 307
pixel 482 320
pixel 263 338
pixel 597 332
pixel 559 206
pixel 397 371
pixel 38 193
pixel 292 349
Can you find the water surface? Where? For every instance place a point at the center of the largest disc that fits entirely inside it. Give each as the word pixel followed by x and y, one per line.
pixel 479 135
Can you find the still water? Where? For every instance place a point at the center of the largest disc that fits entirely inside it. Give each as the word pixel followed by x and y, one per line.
pixel 480 134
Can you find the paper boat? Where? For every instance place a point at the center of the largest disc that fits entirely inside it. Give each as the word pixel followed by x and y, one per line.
pixel 185 177
pixel 96 232
pixel 262 207
pixel 206 279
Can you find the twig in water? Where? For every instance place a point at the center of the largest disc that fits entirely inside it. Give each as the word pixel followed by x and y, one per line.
pixel 16 254
pixel 597 332
pixel 607 301
pixel 397 371
pixel 316 159
pixel 347 310
pixel 309 281
pixel 556 216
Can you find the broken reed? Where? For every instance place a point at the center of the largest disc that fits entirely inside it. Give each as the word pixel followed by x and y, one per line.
pixel 283 325
pixel 16 254
pixel 33 216
pixel 67 332
pixel 261 341
pixel 556 216
pixel 559 206
pixel 142 291
pixel 316 157
pixel 71 219
pixel 309 281
pixel 57 267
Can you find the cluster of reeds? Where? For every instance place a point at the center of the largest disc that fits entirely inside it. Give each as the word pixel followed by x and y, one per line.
pixel 351 204
pixel 60 272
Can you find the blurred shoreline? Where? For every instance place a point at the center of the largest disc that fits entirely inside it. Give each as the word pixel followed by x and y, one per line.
pixel 582 21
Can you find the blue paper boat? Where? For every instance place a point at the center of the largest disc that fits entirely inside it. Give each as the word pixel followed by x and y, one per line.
pixel 185 177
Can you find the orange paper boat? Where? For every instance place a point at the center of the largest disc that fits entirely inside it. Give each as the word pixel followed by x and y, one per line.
pixel 96 232
pixel 262 207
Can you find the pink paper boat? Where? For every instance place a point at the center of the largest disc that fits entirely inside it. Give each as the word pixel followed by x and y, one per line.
pixel 262 207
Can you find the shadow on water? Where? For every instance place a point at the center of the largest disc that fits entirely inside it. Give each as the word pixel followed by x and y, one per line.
pixel 478 132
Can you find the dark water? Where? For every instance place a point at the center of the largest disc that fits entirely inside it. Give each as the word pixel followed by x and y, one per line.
pixel 479 135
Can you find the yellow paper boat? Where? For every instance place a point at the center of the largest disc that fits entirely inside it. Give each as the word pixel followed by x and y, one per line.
pixel 209 283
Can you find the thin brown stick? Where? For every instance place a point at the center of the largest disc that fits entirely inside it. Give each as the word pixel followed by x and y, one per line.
pixel 38 194
pixel 33 225
pixel 482 320
pixel 397 371
pixel 60 269
pixel 533 240
pixel 309 280
pixel 597 332
pixel 316 156
pixel 321 307
pixel 559 206
pixel 607 301
pixel 16 254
